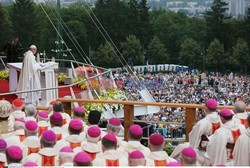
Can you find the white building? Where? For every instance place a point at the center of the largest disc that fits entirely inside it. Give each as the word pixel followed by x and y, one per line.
pixel 236 7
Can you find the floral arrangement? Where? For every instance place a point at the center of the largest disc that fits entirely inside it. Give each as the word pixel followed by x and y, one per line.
pixel 168 148
pixel 81 85
pixel 109 95
pixel 4 75
pixel 93 106
pixel 61 77
pixel 114 95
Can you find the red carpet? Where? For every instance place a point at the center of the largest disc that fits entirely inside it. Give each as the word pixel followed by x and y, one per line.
pixel 4 87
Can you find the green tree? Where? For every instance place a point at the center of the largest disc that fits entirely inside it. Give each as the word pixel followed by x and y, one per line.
pixel 24 21
pixel 45 34
pixel 113 15
pixel 156 53
pixel 171 28
pixel 247 26
pixel 145 27
pixel 133 16
pixel 5 24
pixel 215 21
pixel 132 50
pixel 241 54
pixel 215 55
pixel 235 29
pixel 106 57
pixel 191 53
pixel 74 17
pixel 155 13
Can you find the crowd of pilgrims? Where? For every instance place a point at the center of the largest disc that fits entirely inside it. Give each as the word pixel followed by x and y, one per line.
pixel 54 138
pixel 185 87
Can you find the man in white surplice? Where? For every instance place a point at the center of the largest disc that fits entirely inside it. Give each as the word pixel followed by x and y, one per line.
pixel 30 77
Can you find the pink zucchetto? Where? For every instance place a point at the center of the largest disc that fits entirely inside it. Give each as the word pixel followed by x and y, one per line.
pixel 115 121
pixel 156 139
pixel 15 152
pixel 173 164
pixel 226 112
pixel 136 130
pixel 211 104
pixel 30 164
pixel 56 117
pixel 76 124
pixel 66 152
pixel 3 144
pixel 136 155
pixel 79 110
pixel 67 149
pixel 189 152
pixel 43 114
pixel 82 157
pixel 110 137
pixel 94 131
pixel 49 136
pixel 31 125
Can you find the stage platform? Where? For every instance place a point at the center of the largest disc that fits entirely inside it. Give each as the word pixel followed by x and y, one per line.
pixel 4 87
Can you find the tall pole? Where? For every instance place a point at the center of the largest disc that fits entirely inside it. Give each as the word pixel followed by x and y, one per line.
pixel 59 45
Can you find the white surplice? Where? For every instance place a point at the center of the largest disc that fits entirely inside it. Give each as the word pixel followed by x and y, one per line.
pixel 38 158
pixel 153 157
pixel 130 146
pixel 111 155
pixel 202 127
pixel 14 115
pixel 30 144
pixel 216 149
pixel 241 152
pixel 73 141
pixel 29 79
pixel 239 117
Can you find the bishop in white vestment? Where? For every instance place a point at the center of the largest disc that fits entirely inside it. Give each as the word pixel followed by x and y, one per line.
pixel 221 145
pixel 30 77
pixel 199 136
pixel 241 153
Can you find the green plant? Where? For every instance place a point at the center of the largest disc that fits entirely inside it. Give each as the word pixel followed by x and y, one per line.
pixel 4 75
pixel 168 148
pixel 81 85
pixel 61 78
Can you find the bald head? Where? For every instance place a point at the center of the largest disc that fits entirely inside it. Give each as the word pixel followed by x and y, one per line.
pixel 239 107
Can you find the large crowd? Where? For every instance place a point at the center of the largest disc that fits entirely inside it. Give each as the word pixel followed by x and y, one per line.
pixel 188 88
pixel 55 138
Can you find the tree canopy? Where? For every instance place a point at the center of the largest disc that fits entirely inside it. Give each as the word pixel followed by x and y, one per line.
pixel 140 34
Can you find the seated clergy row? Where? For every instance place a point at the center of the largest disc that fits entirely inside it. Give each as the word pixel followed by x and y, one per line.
pixel 220 138
pixel 94 150
pixel 52 138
